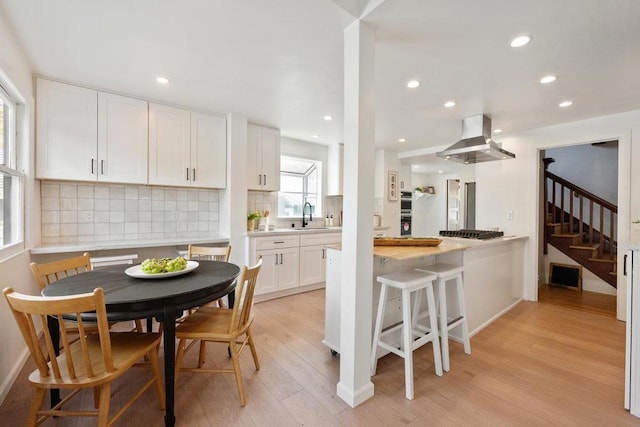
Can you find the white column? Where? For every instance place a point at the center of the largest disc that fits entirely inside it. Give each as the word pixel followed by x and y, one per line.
pixel 233 200
pixel 355 384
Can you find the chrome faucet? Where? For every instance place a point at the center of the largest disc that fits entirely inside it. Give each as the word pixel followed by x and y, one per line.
pixel 304 208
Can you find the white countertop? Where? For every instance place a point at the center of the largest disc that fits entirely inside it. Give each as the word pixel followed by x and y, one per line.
pixel 126 244
pixel 297 230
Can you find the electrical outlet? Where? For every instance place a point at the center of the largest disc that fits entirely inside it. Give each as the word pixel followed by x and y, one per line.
pixel 510 215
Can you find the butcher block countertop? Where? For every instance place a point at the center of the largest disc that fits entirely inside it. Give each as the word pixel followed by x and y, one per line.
pixel 409 252
pixel 449 244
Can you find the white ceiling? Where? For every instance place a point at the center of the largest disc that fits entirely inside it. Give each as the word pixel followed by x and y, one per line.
pixel 280 61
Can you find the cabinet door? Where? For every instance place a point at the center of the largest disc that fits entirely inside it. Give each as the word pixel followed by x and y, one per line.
pixel 169 145
pixel 66 131
pixel 267 278
pixel 254 157
pixel 312 264
pixel 288 268
pixel 208 151
pixel 270 159
pixel 122 139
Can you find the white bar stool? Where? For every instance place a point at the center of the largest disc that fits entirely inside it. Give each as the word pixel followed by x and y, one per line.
pixel 444 273
pixel 408 281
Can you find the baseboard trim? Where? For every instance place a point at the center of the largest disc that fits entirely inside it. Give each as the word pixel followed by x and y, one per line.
pixel 355 397
pixel 287 292
pixel 6 385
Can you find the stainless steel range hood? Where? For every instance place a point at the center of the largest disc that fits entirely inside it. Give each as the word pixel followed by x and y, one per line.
pixel 476 144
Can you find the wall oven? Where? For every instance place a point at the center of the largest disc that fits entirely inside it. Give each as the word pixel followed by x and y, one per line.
pixel 405 225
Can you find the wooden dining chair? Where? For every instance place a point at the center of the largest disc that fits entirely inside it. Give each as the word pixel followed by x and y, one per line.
pixel 47 273
pixel 231 326
pixel 93 361
pixel 217 253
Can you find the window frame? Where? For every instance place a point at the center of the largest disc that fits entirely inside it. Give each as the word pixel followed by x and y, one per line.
pixel 11 169
pixel 317 168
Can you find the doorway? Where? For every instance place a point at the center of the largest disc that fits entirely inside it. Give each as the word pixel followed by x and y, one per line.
pixel 585 169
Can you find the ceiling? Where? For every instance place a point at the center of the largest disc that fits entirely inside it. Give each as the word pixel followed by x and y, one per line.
pixel 280 62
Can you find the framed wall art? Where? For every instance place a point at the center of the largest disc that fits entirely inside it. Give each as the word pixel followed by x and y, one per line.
pixel 392 186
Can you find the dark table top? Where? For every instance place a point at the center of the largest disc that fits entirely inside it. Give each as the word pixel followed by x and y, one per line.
pixel 131 298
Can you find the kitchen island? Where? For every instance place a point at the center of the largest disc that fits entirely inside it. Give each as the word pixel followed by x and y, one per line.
pixel 493 279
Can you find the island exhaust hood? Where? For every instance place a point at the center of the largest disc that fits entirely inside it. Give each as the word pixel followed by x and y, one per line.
pixel 476 144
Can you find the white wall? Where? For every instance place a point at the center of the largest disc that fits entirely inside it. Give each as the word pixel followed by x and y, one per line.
pixel 430 213
pixel 594 168
pixel 389 210
pixel 14 268
pixel 513 185
pixel 590 282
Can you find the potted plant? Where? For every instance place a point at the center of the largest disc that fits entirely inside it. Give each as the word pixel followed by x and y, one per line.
pixel 251 220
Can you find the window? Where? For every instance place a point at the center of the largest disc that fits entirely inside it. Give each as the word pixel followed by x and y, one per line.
pixel 11 180
pixel 300 182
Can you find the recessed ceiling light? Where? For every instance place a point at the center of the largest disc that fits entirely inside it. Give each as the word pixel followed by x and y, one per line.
pixel 412 84
pixel 328 117
pixel 520 41
pixel 497 131
pixel 162 80
pixel 440 171
pixel 402 140
pixel 548 79
pixel 316 136
pixel 450 104
pixel 565 104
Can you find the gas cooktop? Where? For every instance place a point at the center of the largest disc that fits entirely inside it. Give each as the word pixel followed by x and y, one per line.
pixel 472 234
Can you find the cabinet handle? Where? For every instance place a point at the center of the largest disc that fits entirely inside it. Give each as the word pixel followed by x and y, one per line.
pixel 187 174
pixel 92 172
pixel 265 179
pixel 279 241
pixel 624 263
pixel 322 253
pixel 259 179
pixel 275 259
pixel 194 174
pixel 101 167
pixel 281 259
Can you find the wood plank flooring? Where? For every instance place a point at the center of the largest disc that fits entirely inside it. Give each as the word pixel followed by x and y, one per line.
pixel 541 364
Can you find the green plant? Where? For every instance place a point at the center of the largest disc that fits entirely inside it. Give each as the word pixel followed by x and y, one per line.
pixel 253 215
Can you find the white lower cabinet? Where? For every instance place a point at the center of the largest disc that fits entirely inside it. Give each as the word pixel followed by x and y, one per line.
pixel 313 256
pixel 291 263
pixel 279 270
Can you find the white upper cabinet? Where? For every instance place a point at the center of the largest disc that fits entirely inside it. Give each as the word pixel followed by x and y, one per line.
pixel 122 139
pixel 169 145
pixel 208 151
pixel 86 135
pixel 66 131
pixel 263 158
pixel 185 148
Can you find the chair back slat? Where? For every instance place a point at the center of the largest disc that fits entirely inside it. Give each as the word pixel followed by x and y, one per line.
pixel 245 289
pixel 209 253
pixel 26 308
pixel 47 273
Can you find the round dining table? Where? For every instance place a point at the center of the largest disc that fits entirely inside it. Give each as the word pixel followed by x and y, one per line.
pixel 162 298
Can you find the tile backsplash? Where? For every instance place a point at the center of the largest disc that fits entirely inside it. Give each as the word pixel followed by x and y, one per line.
pixel 107 212
pixel 261 201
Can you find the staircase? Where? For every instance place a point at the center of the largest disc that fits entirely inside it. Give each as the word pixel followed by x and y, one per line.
pixel 582 226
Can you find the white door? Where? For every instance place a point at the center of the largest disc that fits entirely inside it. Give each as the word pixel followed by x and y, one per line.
pixel 312 264
pixel 288 267
pixel 169 145
pixel 267 278
pixel 208 151
pixel 66 131
pixel 254 157
pixel 270 159
pixel 122 139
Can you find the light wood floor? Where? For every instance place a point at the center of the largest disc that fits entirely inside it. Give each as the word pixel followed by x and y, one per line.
pixel 541 364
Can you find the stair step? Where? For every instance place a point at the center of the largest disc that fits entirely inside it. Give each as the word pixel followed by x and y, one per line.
pixel 566 235
pixel 610 261
pixel 586 248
